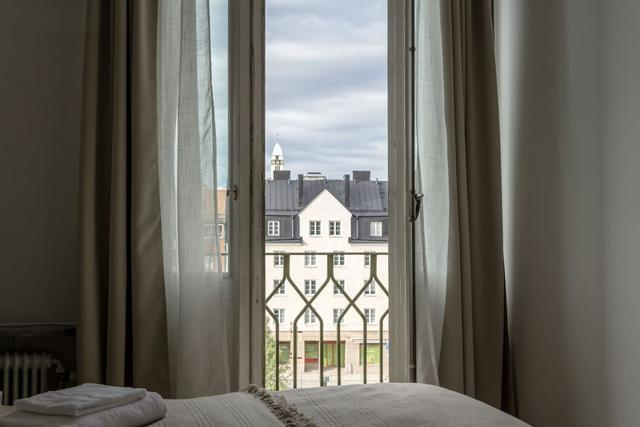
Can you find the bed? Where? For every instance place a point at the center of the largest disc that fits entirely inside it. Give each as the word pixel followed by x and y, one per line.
pixel 350 405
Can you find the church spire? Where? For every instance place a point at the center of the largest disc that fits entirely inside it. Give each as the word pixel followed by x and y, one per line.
pixel 277 157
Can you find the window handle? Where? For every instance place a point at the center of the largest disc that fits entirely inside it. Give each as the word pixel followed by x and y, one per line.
pixel 233 191
pixel 417 203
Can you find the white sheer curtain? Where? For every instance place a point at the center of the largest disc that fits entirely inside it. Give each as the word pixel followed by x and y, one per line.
pixel 432 179
pixel 198 292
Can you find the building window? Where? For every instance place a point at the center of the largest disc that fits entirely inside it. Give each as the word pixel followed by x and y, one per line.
pixel 279 313
pixel 338 260
pixel 376 229
pixel 370 315
pixel 282 289
pixel 367 260
pixel 309 317
pixel 371 288
pixel 336 288
pixel 278 260
pixel 284 348
pixel 273 228
pixel 373 354
pixel 309 259
pixel 334 228
pixel 309 287
pixel 336 314
pixel 314 228
pixel 220 231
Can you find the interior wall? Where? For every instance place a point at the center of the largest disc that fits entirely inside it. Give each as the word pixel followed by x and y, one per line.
pixel 41 51
pixel 621 206
pixel 550 76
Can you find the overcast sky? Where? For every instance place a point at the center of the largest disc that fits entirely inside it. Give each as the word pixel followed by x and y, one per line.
pixel 326 72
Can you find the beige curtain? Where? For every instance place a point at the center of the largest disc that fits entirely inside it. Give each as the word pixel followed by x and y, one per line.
pixel 122 330
pixel 460 290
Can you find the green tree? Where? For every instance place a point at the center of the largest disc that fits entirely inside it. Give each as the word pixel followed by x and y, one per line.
pixel 270 362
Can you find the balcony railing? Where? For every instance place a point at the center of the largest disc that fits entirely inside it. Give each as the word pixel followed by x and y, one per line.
pixel 307 300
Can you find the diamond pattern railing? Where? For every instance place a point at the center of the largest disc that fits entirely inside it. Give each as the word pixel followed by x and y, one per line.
pixel 308 305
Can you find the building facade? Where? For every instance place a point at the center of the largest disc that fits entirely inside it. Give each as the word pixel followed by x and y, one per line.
pixel 327 242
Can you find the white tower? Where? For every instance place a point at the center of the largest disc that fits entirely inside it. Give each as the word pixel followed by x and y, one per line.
pixel 277 159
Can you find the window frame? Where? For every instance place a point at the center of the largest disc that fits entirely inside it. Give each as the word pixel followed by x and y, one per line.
pixel 315 228
pixel 275 230
pixel 335 228
pixel 335 287
pixel 371 319
pixel 310 282
pixel 282 291
pixel 308 258
pixel 377 226
pixel 309 317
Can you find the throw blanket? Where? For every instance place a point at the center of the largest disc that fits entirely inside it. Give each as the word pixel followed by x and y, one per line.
pixel 134 414
pixel 80 400
pixel 352 405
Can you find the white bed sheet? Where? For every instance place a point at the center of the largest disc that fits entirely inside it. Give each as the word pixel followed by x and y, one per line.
pixel 351 405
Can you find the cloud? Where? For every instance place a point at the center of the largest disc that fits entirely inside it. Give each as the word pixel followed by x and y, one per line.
pixel 326 75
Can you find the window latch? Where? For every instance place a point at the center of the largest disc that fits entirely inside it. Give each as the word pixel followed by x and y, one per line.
pixel 416 202
pixel 233 191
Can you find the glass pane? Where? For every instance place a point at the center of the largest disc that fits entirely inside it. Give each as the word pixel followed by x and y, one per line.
pixel 327 185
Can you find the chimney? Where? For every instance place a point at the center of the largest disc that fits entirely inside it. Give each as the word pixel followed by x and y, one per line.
pixel 300 190
pixel 347 191
pixel 361 176
pixel 281 175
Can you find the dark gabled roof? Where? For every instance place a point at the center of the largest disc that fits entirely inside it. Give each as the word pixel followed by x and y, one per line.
pixel 366 197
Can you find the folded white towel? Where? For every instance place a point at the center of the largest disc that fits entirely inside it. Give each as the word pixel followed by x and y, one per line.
pixel 81 400
pixel 139 413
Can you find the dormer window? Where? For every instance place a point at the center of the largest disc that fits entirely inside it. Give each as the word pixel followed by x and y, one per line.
pixel 273 228
pixel 376 229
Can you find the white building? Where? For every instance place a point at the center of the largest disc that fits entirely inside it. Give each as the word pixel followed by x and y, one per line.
pixel 313 221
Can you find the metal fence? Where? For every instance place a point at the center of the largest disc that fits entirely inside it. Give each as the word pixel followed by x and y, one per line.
pixel 352 304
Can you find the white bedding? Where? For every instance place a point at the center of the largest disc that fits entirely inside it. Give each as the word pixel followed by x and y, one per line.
pixel 352 405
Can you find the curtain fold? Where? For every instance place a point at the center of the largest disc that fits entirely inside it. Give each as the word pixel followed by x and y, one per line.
pixel 199 292
pixel 122 336
pixel 460 288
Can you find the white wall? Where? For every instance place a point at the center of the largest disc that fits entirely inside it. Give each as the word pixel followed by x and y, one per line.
pixel 41 50
pixel 570 122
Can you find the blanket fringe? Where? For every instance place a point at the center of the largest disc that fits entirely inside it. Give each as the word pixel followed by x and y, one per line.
pixel 285 411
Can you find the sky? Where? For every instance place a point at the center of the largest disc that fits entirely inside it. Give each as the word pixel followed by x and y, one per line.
pixel 326 85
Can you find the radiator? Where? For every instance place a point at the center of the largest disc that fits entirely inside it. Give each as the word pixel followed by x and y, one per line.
pixel 25 374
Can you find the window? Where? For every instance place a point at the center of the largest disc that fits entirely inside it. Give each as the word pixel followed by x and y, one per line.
pixel 334 228
pixel 373 354
pixel 278 260
pixel 330 352
pixel 376 229
pixel 367 260
pixel 282 290
pixel 336 314
pixel 309 317
pixel 309 288
pixel 370 315
pixel 338 260
pixel 220 231
pixel 371 288
pixel 336 288
pixel 273 228
pixel 279 313
pixel 311 354
pixel 284 349
pixel 314 228
pixel 309 259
